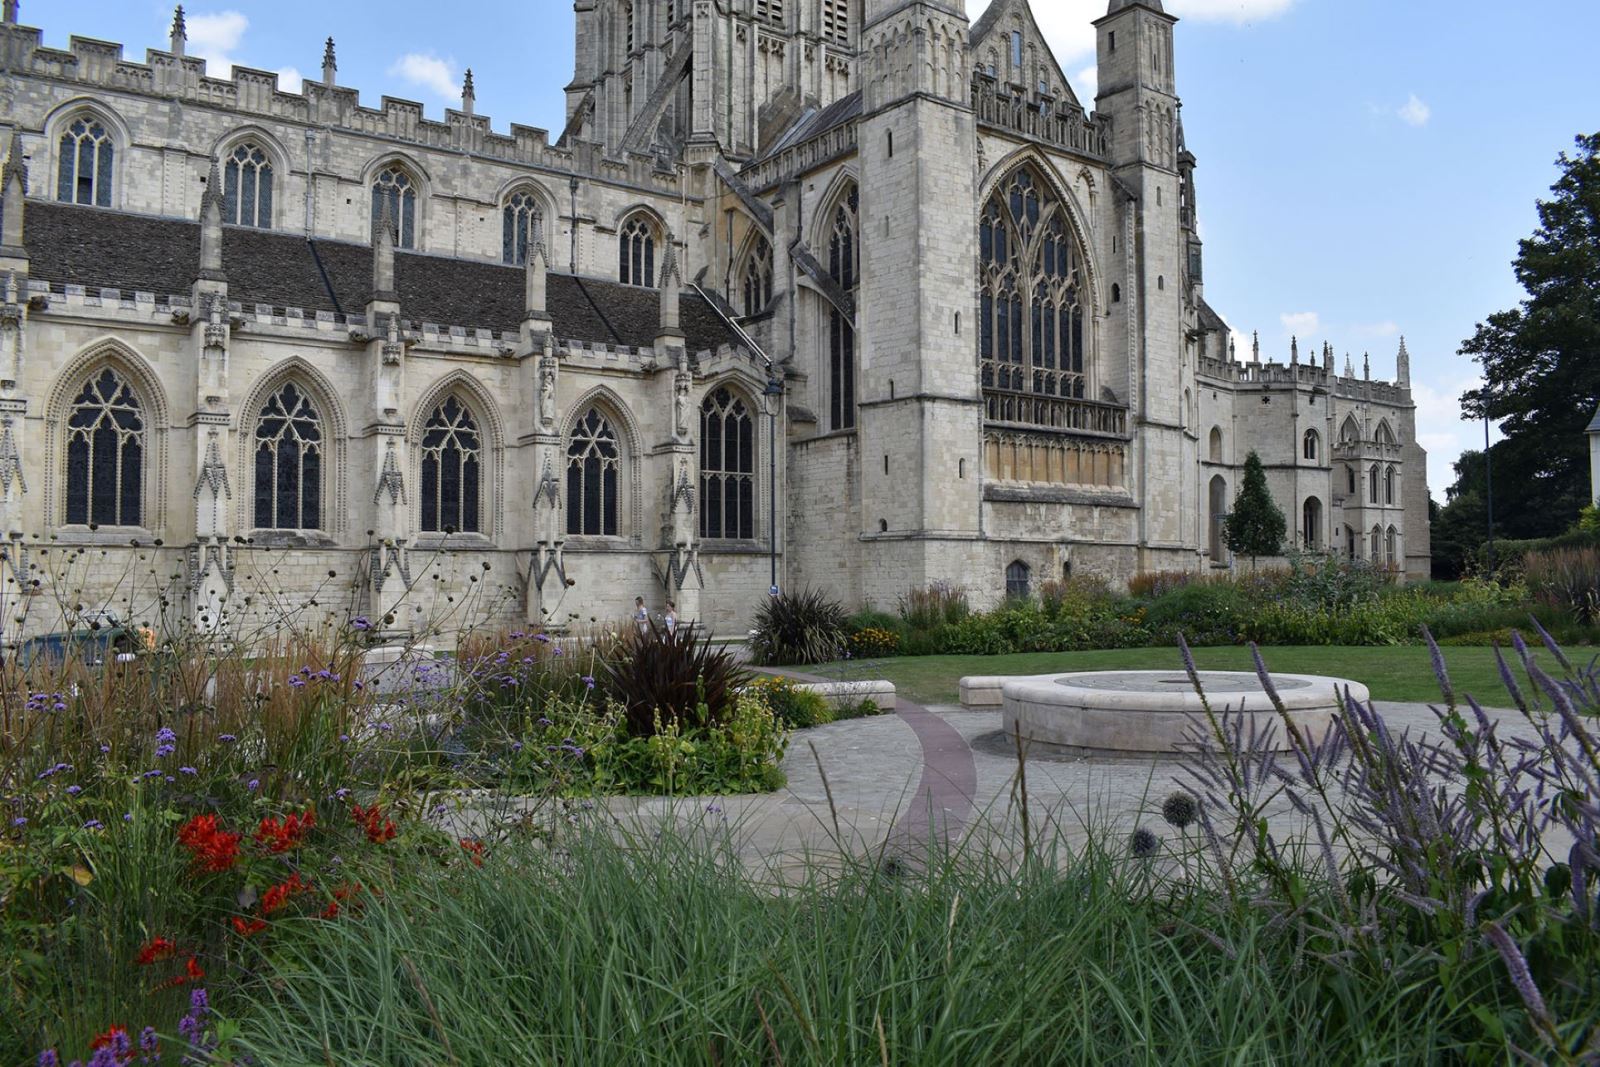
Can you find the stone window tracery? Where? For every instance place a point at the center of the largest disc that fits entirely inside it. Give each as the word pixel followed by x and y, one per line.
pixel 105 453
pixel 247 188
pixel 1312 445
pixel 395 184
pixel 636 252
pixel 289 444
pixel 758 277
pixel 452 470
pixel 727 468
pixel 517 219
pixel 84 172
pixel 594 474
pixel 844 267
pixel 1031 336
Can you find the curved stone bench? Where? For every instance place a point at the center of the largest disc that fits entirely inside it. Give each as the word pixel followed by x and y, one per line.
pixel 1155 711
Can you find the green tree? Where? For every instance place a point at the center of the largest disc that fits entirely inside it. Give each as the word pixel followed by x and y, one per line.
pixel 1255 527
pixel 1540 366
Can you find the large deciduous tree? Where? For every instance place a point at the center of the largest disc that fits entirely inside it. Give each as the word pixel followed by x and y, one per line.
pixel 1255 527
pixel 1541 360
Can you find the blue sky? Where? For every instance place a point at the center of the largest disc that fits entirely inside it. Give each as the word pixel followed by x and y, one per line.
pixel 1366 166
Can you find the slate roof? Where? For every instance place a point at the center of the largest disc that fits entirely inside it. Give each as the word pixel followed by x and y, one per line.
pixel 101 249
pixel 1210 321
pixel 814 123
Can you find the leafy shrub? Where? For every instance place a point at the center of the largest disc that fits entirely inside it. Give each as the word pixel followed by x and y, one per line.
pixel 1077 595
pixel 935 603
pixel 862 708
pixel 874 620
pixel 798 628
pixel 874 643
pixel 678 680
pixel 1330 582
pixel 1567 579
pixel 792 704
pixel 1157 584
pixel 741 754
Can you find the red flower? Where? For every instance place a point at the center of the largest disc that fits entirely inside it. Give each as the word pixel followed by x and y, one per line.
pixel 474 850
pixel 192 971
pixel 248 928
pixel 276 898
pixel 341 895
pixel 372 821
pixel 213 848
pixel 158 949
pixel 108 1038
pixel 281 837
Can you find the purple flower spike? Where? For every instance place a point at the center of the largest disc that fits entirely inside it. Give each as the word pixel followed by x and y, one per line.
pixel 1521 977
pixel 48 1058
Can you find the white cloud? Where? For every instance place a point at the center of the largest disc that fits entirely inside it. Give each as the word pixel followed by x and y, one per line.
pixel 214 37
pixel 1414 112
pixel 439 76
pixel 1441 429
pixel 1087 84
pixel 1378 329
pixel 1301 323
pixel 289 79
pixel 1240 12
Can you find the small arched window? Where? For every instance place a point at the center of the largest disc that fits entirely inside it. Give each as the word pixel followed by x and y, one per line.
pixel 594 475
pixel 1216 443
pixel 1388 485
pixel 1311 524
pixel 844 263
pixel 452 470
pixel 727 468
pixel 1372 484
pixel 517 219
pixel 84 172
pixel 395 184
pixel 1311 445
pixel 105 453
pixel 247 188
pixel 758 277
pixel 1350 477
pixel 1385 435
pixel 636 252
pixel 1377 545
pixel 1392 547
pixel 1116 293
pixel 289 445
pixel 1019 581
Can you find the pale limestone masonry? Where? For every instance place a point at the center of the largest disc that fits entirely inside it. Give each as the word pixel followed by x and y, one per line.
pixel 816 191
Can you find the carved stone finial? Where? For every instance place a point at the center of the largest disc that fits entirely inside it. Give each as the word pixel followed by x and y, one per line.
pixel 11 12
pixel 1366 365
pixel 180 31
pixel 1349 367
pixel 330 64
pixel 14 192
pixel 1255 345
pixel 16 165
pixel 383 251
pixel 1402 364
pixel 468 93
pixel 1294 350
pixel 211 206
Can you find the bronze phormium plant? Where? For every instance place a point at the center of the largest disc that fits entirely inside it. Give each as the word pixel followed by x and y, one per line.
pixel 679 679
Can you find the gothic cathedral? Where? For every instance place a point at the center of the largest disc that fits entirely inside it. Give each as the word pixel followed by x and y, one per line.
pixel 854 295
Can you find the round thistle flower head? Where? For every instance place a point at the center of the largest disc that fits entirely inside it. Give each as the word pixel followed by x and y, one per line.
pixel 1180 809
pixel 1143 843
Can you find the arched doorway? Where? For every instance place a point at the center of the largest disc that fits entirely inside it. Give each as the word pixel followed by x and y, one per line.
pixel 1219 512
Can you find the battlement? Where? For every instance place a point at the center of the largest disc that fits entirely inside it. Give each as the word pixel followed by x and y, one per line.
pixel 251 93
pixel 1303 375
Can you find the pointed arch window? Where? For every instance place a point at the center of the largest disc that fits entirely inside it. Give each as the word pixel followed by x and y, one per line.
pixel 289 450
pixel 247 187
pixel 1372 484
pixel 1311 524
pixel 1312 446
pixel 1032 327
pixel 1377 545
pixel 727 468
pixel 758 277
pixel 636 252
pixel 844 267
pixel 105 453
pixel 518 218
pixel 397 186
pixel 594 474
pixel 452 470
pixel 84 172
pixel 1019 581
pixel 1392 547
pixel 1388 485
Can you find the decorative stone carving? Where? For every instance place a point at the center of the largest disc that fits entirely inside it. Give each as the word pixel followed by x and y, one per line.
pixel 394 349
pixel 390 481
pixel 10 462
pixel 547 392
pixel 213 472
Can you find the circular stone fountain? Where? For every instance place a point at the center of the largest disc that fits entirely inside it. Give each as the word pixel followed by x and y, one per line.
pixel 1156 711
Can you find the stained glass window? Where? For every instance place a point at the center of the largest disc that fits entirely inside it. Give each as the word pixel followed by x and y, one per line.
pixel 105 453
pixel 247 188
pixel 84 174
pixel 1030 315
pixel 288 462
pixel 758 277
pixel 844 266
pixel 395 184
pixel 594 467
pixel 452 470
pixel 517 227
pixel 727 468
pixel 636 251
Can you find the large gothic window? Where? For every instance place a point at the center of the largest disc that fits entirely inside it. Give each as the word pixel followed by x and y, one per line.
pixel 594 469
pixel 844 267
pixel 452 470
pixel 289 445
pixel 397 186
pixel 247 188
pixel 105 453
pixel 758 277
pixel 727 468
pixel 84 174
pixel 1031 333
pixel 517 229
pixel 636 252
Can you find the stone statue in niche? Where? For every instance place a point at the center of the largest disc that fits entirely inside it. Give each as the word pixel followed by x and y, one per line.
pixel 683 382
pixel 547 392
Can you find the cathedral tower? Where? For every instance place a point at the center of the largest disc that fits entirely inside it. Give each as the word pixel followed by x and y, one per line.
pixel 1139 96
pixel 920 408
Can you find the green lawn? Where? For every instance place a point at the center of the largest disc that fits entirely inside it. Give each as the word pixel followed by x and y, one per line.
pixel 1391 673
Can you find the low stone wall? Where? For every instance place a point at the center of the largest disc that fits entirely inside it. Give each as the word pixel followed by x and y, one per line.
pixel 981 692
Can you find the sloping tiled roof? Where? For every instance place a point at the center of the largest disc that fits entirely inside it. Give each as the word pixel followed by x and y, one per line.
pixel 815 123
pixel 102 249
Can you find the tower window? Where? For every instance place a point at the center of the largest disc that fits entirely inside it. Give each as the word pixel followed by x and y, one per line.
pixel 247 188
pixel 836 20
pixel 1113 40
pixel 636 252
pixel 770 10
